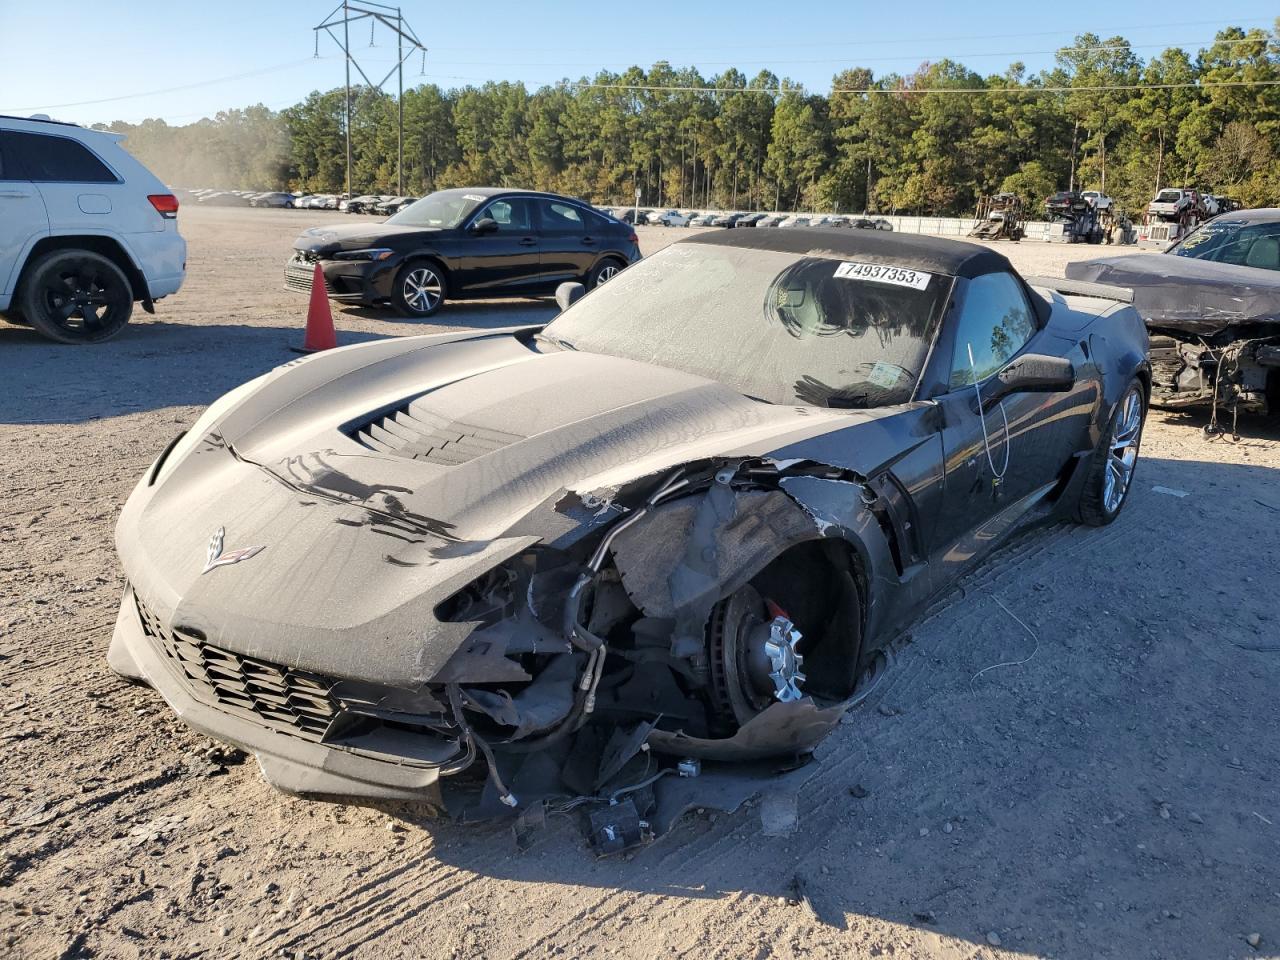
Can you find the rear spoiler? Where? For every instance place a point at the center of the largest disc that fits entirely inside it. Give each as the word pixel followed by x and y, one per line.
pixel 1083 288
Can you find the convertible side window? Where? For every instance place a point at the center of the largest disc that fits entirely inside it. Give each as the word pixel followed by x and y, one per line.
pixel 512 216
pixel 995 321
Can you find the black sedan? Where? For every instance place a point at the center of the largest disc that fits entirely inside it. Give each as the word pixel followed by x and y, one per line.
pixel 460 244
pixel 682 521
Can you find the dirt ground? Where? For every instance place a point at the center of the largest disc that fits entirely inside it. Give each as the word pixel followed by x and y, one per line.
pixel 1109 790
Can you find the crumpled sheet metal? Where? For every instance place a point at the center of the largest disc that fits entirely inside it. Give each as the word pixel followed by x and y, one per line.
pixel 540 706
pixel 1188 295
pixel 692 551
pixel 781 729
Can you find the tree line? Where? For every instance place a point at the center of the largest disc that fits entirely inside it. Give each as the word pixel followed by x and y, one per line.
pixel 929 142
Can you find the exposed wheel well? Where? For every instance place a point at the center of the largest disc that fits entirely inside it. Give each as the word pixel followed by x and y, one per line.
pixel 105 246
pixel 820 585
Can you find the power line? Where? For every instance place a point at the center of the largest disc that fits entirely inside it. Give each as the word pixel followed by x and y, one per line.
pixel 153 93
pixel 860 60
pixel 354 11
pixel 1230 21
pixel 905 91
pixel 297 63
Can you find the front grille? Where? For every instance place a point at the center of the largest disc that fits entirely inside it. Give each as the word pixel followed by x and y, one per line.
pixel 415 432
pixel 291 701
pixel 299 271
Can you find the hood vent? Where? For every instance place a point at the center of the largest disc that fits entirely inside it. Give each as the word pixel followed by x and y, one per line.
pixel 418 434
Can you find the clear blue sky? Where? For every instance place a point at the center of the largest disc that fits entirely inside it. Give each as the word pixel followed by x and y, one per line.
pixel 57 54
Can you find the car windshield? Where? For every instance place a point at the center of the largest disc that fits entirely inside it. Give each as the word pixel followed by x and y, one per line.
pixel 784 328
pixel 445 208
pixel 1233 241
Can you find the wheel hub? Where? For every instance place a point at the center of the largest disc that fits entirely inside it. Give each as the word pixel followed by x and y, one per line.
pixel 782 649
pixel 755 659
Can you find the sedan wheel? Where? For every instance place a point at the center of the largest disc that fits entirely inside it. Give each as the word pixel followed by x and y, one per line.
pixel 419 290
pixel 1110 477
pixel 603 273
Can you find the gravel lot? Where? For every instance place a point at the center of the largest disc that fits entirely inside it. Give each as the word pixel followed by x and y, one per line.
pixel 1111 791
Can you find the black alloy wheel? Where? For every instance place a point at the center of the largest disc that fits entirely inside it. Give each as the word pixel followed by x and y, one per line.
pixel 77 296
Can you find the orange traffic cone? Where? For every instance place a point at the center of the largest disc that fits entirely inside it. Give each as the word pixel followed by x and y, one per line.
pixel 320 335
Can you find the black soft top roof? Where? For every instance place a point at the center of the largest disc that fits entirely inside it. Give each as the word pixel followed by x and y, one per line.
pixel 930 254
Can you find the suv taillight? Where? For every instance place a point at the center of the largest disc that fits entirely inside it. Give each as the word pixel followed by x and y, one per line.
pixel 166 204
pixel 633 238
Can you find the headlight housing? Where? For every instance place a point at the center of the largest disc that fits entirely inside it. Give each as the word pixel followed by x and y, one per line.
pixel 371 253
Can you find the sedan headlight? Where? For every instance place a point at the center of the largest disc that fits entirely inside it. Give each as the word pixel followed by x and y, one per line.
pixel 215 412
pixel 372 253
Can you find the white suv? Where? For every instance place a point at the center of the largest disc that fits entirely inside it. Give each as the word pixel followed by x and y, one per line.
pixel 85 230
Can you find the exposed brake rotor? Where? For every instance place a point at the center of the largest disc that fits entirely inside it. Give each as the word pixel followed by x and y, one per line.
pixel 754 654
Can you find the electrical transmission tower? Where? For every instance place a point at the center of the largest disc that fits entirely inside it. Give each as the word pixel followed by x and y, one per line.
pixel 353 11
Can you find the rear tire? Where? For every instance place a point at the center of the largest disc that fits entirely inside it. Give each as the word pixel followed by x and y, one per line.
pixel 1109 479
pixel 419 289
pixel 603 272
pixel 76 296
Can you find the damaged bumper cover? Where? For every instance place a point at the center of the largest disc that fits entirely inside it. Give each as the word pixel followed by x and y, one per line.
pixel 361 767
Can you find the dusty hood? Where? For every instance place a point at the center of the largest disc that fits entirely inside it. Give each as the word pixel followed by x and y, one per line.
pixel 1188 295
pixel 467 438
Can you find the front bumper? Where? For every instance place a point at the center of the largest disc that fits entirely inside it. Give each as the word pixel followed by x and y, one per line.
pixel 289 762
pixel 353 281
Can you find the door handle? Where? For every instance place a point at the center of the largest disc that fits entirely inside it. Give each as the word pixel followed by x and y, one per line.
pixel 14 194
pixel 588 241
pixel 527 241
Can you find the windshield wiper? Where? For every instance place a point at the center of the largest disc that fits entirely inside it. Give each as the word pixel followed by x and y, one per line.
pixel 556 341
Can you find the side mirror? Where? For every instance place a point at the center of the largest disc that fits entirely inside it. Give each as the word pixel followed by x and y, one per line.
pixel 484 225
pixel 1030 373
pixel 569 293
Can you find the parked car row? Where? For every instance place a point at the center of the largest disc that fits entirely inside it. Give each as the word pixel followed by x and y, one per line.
pixel 729 220
pixel 383 205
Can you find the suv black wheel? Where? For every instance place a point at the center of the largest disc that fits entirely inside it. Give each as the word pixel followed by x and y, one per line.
pixel 76 296
pixel 603 272
pixel 1110 477
pixel 419 289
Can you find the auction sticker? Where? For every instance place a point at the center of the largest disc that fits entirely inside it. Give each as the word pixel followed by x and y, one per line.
pixel 881 273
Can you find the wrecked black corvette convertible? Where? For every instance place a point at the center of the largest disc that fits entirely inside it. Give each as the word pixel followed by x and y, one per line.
pixel 680 524
pixel 1212 305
